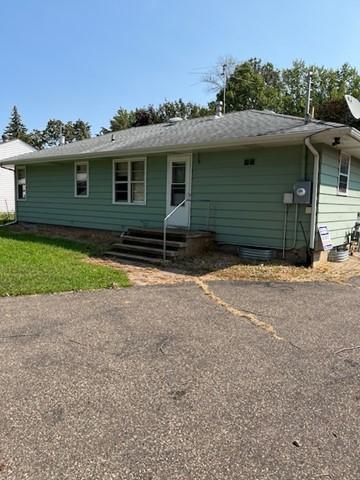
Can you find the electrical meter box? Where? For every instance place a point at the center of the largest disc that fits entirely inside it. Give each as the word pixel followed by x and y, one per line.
pixel 302 192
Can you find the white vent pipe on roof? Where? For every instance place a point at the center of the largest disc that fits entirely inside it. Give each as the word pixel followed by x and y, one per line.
pixel 175 119
pixel 219 109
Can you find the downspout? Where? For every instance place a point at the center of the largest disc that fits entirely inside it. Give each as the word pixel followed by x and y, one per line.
pixel 14 221
pixel 315 190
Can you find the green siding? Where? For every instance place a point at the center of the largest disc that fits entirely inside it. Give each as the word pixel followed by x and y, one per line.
pixel 338 212
pixel 50 197
pixel 242 204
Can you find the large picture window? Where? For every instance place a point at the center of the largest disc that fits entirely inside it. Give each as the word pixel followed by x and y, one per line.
pixel 81 179
pixel 344 173
pixel 129 181
pixel 21 183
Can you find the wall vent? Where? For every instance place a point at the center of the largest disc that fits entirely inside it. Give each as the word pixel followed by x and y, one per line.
pixel 249 162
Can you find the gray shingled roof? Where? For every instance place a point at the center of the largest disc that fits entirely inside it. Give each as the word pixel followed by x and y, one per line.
pixel 210 130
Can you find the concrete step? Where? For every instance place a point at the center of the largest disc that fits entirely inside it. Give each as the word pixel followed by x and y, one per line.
pixel 153 241
pixel 150 251
pixel 133 258
pixel 171 234
pixel 148 243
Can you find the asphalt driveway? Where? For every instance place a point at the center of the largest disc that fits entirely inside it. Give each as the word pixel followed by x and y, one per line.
pixel 165 383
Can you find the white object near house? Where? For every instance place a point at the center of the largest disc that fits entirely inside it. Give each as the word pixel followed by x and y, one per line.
pixel 8 149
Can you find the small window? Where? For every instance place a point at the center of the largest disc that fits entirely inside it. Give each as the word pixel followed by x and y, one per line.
pixel 81 179
pixel 21 183
pixel 129 181
pixel 344 173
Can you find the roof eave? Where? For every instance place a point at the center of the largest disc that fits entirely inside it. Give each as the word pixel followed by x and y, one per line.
pixel 266 140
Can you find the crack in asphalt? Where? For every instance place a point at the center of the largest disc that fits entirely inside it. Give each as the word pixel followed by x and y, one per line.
pixel 249 316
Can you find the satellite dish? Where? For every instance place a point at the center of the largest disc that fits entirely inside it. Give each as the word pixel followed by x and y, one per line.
pixel 354 106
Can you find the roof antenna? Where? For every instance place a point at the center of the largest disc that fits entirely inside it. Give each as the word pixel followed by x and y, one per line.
pixel 224 74
pixel 308 97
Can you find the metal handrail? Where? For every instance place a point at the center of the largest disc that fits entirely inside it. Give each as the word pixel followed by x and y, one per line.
pixel 165 224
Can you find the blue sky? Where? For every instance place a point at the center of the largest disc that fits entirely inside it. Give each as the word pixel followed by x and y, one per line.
pixel 86 58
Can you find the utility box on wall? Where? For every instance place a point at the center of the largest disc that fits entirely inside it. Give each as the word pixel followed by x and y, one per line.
pixel 302 192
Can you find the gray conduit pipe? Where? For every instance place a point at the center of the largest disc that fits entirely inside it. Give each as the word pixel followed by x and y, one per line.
pixel 285 229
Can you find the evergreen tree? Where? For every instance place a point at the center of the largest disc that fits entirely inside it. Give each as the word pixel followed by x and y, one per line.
pixel 16 128
pixel 121 120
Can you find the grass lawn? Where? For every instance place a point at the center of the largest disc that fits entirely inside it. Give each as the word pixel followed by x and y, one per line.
pixel 32 264
pixel 6 218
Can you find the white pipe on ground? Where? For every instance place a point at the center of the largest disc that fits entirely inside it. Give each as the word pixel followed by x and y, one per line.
pixel 315 190
pixel 9 223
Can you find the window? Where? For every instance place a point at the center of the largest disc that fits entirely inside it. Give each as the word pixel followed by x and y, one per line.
pixel 344 173
pixel 21 183
pixel 178 183
pixel 129 181
pixel 81 179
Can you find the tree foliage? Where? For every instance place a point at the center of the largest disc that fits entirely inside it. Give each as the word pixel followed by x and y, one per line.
pixel 156 114
pixel 254 84
pixel 15 127
pixel 72 131
pixel 50 136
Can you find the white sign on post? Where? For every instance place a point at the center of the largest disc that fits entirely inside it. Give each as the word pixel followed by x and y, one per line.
pixel 325 237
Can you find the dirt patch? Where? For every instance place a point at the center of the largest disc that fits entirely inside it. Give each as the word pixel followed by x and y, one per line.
pixel 328 272
pixel 146 275
pixel 220 266
pixel 97 237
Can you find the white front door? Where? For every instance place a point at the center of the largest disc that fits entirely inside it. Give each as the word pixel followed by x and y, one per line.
pixel 178 189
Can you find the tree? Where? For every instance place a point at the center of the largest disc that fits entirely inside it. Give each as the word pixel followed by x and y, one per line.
pixel 337 111
pixel 78 130
pixel 35 138
pixel 52 133
pixel 145 116
pixel 72 131
pixel 178 108
pixel 16 128
pixel 156 114
pixel 222 70
pixel 121 120
pixel 253 85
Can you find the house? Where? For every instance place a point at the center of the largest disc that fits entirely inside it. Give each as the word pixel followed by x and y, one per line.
pixel 254 178
pixel 9 148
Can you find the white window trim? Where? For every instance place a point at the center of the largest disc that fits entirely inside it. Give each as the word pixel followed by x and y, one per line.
pixel 17 184
pixel 129 161
pixel 344 194
pixel 83 162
